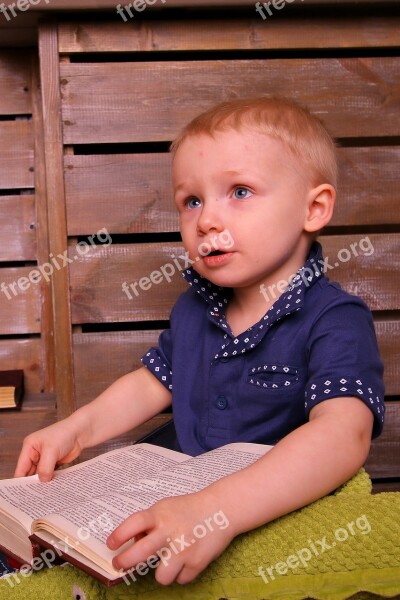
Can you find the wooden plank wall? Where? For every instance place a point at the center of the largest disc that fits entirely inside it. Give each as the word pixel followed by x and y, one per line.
pixel 89 156
pixel 25 311
pixel 125 91
pixel 19 310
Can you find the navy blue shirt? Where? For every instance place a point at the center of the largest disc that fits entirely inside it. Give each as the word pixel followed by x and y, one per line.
pixel 316 342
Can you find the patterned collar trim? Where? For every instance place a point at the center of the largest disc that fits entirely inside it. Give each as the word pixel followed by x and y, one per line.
pixel 291 300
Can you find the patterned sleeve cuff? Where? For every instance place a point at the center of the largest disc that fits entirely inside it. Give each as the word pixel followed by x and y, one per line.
pixel 319 390
pixel 157 366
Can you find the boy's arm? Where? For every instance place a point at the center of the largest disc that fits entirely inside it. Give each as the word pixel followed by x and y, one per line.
pixel 128 402
pixel 307 464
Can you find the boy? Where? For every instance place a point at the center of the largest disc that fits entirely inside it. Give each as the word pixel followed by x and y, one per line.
pixel 297 368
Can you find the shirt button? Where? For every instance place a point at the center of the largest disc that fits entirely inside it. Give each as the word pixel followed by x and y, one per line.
pixel 221 402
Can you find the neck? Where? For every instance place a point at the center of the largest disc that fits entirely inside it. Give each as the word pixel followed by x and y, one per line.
pixel 249 304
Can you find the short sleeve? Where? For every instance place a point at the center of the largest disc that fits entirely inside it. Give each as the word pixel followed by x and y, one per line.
pixel 159 359
pixel 344 360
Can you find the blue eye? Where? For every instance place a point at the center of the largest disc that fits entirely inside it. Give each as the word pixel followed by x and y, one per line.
pixel 193 202
pixel 242 193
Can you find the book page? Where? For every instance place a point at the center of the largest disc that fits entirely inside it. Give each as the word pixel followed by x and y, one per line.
pixel 92 478
pixel 88 525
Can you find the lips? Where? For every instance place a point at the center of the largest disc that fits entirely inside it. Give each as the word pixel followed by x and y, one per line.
pixel 217 258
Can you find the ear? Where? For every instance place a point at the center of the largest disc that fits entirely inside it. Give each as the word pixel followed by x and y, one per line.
pixel 320 204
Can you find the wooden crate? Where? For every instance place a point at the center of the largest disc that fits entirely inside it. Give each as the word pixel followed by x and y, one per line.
pixel 114 95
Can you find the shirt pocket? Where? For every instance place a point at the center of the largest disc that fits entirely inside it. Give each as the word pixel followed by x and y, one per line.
pixel 273 376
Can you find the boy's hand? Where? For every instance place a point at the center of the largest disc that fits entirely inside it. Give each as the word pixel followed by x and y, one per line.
pixel 185 532
pixel 43 450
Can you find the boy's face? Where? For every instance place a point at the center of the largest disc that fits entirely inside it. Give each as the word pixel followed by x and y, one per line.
pixel 245 194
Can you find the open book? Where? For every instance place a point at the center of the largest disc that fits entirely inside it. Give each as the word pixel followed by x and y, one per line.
pixel 75 512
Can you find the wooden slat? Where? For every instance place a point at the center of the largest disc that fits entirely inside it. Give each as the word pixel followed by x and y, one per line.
pixel 369 275
pixel 384 458
pixel 141 191
pixel 57 241
pixel 229 34
pixel 388 334
pixel 16 155
pixel 131 102
pixel 98 277
pixel 101 358
pixel 15 77
pixel 17 228
pixel 369 184
pixel 138 187
pixel 43 247
pixel 37 411
pixel 19 309
pixel 25 354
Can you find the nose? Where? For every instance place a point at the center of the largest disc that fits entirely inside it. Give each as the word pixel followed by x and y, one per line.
pixel 210 218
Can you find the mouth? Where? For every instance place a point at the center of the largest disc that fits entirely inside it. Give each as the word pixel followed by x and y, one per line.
pixel 217 258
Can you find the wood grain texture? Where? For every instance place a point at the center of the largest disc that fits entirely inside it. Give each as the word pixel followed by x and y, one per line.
pixel 138 187
pixel 57 240
pixel 96 283
pixel 229 34
pixel 384 458
pixel 388 334
pixel 17 228
pixel 132 102
pixel 15 77
pixel 19 302
pixel 16 155
pixel 140 190
pixel 360 264
pixel 369 184
pixel 43 247
pixel 25 354
pixel 38 410
pixel 101 358
pixel 97 278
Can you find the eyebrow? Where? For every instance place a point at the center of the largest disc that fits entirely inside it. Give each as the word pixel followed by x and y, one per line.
pixel 179 187
pixel 230 172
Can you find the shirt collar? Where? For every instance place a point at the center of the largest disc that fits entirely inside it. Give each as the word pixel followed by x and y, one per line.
pixel 291 300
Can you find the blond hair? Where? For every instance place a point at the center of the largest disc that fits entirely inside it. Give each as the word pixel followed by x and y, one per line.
pixel 281 118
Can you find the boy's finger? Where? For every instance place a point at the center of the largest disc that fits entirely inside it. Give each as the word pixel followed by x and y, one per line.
pixel 27 462
pixel 147 549
pixel 45 468
pixel 135 524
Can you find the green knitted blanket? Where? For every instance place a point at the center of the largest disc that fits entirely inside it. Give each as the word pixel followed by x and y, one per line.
pixel 344 545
